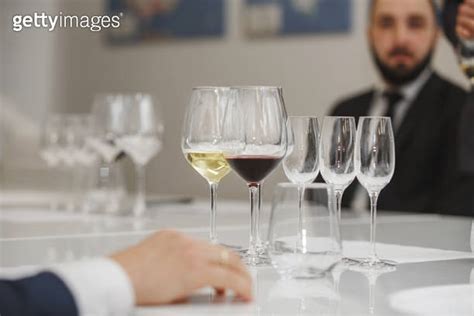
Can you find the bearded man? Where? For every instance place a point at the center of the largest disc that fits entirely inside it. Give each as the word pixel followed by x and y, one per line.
pixel 425 110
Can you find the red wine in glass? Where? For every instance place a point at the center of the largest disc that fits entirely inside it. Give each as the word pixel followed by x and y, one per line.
pixel 253 169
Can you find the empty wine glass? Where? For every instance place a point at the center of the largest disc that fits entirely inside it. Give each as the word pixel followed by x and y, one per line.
pixel 139 136
pixel 254 142
pixel 337 155
pixel 108 119
pixel 375 164
pixel 202 134
pixel 50 140
pixel 107 113
pixel 50 149
pixel 301 163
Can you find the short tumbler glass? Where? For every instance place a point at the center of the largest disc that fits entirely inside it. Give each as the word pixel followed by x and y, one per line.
pixel 319 225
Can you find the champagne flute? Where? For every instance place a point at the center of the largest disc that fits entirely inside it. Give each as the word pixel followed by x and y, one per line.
pixel 139 135
pixel 202 134
pixel 254 143
pixel 301 163
pixel 375 164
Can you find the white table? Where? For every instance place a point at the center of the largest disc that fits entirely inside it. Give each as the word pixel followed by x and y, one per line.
pixel 34 236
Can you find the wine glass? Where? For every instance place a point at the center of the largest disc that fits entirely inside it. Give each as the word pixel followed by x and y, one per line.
pixel 301 163
pixel 50 140
pixel 107 113
pixel 337 155
pixel 254 142
pixel 108 120
pixel 375 164
pixel 139 135
pixel 202 134
pixel 50 148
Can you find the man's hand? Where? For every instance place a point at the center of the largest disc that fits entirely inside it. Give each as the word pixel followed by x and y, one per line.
pixel 169 266
pixel 465 20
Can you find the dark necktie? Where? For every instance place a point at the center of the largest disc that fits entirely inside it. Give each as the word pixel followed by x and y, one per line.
pixel 393 99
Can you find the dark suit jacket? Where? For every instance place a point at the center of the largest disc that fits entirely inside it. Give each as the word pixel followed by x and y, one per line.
pixel 427 177
pixel 41 295
pixel 466 127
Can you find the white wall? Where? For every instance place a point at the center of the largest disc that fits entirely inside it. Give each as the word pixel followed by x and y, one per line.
pixel 313 70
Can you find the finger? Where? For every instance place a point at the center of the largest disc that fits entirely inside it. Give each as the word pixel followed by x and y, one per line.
pixel 464 33
pixel 466 11
pixel 225 278
pixel 215 253
pixel 466 23
pixel 469 3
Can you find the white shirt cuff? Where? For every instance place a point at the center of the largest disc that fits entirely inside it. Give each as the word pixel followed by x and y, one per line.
pixel 100 287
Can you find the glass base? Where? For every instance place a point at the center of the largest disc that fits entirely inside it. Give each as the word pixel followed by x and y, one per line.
pixel 350 261
pixel 255 259
pixel 374 263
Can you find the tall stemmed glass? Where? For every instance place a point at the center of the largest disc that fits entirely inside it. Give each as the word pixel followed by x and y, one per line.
pixel 202 133
pixel 301 163
pixel 106 112
pixel 254 143
pixel 50 151
pixel 139 136
pixel 337 155
pixel 375 164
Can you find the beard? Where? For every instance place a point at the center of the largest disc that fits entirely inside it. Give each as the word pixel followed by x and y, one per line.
pixel 401 74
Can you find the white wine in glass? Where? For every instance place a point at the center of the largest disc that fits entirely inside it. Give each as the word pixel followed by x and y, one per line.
pixel 211 165
pixel 202 132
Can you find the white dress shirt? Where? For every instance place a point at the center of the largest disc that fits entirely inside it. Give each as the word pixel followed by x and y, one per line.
pixel 379 107
pixel 100 287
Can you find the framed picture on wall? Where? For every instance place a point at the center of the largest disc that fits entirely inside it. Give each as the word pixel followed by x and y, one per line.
pixel 270 18
pixel 151 20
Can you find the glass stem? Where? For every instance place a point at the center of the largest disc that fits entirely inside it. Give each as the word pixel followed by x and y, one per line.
pixel 212 219
pixel 338 195
pixel 254 190
pixel 373 215
pixel 301 235
pixel 258 211
pixel 372 283
pixel 140 205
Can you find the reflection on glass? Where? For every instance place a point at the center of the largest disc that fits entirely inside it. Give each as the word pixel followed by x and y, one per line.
pixel 303 297
pixel 372 274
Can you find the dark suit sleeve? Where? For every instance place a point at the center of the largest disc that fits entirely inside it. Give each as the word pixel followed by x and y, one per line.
pixel 42 295
pixel 449 14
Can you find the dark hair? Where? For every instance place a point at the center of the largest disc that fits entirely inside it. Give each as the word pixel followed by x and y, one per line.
pixel 432 2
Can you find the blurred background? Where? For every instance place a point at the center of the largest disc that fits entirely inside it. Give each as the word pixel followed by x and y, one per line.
pixel 243 43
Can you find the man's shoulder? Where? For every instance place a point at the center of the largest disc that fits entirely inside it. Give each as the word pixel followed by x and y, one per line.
pixel 447 87
pixel 354 105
